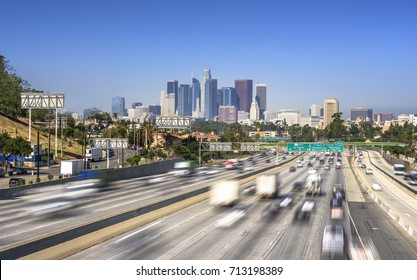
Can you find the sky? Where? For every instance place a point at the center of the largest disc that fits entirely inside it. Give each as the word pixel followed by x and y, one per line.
pixel 364 53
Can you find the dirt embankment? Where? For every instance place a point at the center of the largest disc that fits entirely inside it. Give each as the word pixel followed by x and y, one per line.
pixel 20 127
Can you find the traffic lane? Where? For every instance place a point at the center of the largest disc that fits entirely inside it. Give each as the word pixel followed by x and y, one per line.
pixel 173 231
pixel 400 203
pixel 379 234
pixel 376 159
pixel 104 205
pixel 198 238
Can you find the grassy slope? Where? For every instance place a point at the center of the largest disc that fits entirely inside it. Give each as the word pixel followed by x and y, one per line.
pixel 12 127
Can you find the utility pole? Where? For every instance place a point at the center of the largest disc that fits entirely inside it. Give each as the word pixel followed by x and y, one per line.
pixel 49 139
pixel 37 160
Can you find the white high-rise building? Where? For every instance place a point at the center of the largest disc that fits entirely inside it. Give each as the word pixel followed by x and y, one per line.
pixel 167 104
pixel 315 110
pixel 206 76
pixel 254 111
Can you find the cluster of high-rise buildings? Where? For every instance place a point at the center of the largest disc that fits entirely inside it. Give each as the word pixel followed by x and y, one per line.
pixel 204 99
pixel 242 103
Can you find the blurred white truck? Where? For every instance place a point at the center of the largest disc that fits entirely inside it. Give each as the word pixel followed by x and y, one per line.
pixel 71 167
pixel 224 193
pixel 313 184
pixel 267 186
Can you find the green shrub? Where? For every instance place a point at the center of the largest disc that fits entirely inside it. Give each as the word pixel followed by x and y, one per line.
pixel 38 180
pixel 50 177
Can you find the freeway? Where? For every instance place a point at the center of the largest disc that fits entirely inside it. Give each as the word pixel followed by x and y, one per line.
pixel 250 230
pixel 22 222
pixel 198 232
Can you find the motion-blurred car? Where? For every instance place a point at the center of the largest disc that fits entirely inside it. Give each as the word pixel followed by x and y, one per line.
pixel 369 171
pixel 297 186
pixel 376 187
pixel 336 202
pixel 327 167
pixel 305 210
pixel 293 168
pixel 338 191
pixel 312 170
pixel 285 201
pixel 338 165
pixel 334 242
pixel 300 165
pixel 309 164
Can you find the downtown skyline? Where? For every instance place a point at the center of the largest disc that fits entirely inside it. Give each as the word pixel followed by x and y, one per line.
pixel 362 53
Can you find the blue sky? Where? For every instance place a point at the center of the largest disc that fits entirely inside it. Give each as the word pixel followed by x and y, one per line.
pixel 362 52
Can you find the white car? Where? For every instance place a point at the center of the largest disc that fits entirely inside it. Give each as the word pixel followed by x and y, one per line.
pixel 376 187
pixel 312 170
pixel 300 165
pixel 369 171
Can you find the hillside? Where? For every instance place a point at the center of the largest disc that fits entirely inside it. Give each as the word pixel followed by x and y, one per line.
pixel 20 127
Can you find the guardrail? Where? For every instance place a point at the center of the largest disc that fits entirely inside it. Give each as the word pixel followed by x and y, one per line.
pixel 38 244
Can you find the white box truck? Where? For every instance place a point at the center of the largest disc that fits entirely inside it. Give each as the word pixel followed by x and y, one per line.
pixel 267 186
pixel 94 154
pixel 71 167
pixel 224 193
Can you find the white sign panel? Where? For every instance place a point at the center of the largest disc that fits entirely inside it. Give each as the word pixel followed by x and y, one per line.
pixel 112 143
pixel 42 100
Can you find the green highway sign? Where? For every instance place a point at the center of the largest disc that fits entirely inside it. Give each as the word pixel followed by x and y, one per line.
pixel 335 147
pixel 298 147
pixel 317 147
pixel 267 139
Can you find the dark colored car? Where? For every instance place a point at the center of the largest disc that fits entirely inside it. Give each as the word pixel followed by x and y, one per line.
pixel 293 168
pixel 298 186
pixel 338 191
pixel 14 182
pixel 309 164
pixel 17 171
pixel 336 202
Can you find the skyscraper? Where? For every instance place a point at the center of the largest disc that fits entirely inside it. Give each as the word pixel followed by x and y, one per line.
pixel 206 77
pixel 229 97
pixel 172 87
pixel 196 94
pixel 210 98
pixel 331 107
pixel 118 106
pixel 244 91
pixel 184 100
pixel 261 98
pixel 315 110
pixel 167 104
pixel 254 111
